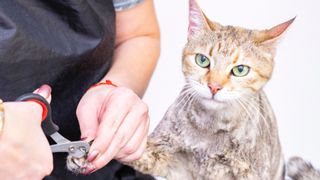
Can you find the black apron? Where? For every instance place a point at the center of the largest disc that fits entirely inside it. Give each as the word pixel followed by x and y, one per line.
pixel 67 44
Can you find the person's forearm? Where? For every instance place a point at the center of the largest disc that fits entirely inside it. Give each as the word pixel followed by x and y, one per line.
pixel 137 47
pixel 134 62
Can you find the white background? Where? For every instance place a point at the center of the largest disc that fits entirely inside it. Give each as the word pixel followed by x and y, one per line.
pixel 295 86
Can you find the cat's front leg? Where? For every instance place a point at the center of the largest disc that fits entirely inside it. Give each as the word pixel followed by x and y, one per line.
pixel 157 156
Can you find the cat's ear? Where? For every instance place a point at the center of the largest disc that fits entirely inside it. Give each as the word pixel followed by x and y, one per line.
pixel 197 19
pixel 272 35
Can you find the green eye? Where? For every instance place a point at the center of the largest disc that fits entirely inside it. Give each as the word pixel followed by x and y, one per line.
pixel 240 70
pixel 202 61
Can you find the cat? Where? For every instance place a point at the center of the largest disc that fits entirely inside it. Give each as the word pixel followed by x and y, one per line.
pixel 221 126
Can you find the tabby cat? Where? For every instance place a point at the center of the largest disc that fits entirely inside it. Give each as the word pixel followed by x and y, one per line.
pixel 221 126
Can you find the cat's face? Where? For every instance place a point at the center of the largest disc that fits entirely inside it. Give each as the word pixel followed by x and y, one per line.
pixel 224 63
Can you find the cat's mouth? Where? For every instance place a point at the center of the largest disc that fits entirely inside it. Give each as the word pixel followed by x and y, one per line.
pixel 213 103
pixel 217 101
pixel 213 99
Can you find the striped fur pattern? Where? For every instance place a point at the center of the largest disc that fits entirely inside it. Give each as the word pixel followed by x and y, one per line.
pixel 298 169
pixel 231 133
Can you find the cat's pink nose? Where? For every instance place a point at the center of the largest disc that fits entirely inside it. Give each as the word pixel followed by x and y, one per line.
pixel 215 87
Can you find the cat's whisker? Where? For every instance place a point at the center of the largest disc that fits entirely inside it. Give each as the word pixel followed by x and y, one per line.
pixel 185 90
pixel 263 119
pixel 187 86
pixel 253 104
pixel 247 114
pixel 256 106
pixel 248 107
pixel 192 100
pixel 244 104
pixel 183 96
pixel 187 101
pixel 244 107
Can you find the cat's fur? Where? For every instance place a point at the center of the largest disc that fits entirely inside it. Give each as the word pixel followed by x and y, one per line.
pixel 298 169
pixel 231 134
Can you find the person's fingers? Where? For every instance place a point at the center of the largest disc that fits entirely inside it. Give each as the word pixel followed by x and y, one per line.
pixel 104 158
pixel 111 120
pixel 113 149
pixel 112 116
pixel 44 91
pixel 131 146
pixel 89 109
pixel 137 118
pixel 87 114
pixel 137 154
pixel 88 122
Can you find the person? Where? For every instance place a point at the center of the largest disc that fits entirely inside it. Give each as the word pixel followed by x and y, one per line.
pixel 71 45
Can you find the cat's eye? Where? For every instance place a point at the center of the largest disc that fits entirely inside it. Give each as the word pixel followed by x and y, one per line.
pixel 240 71
pixel 202 60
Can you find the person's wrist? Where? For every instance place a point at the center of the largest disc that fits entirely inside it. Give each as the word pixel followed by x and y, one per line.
pixel 103 83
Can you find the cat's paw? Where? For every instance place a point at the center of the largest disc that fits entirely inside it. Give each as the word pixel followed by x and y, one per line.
pixel 78 165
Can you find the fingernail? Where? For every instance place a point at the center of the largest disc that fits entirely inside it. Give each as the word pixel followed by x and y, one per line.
pixel 36 91
pixel 87 139
pixel 93 155
pixel 44 91
pixel 84 139
pixel 89 169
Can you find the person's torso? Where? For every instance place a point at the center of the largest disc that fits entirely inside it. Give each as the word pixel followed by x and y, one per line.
pixel 67 44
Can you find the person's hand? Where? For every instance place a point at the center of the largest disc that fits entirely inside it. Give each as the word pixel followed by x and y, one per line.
pixel 118 121
pixel 24 150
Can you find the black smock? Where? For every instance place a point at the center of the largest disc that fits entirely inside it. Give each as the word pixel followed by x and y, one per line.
pixel 67 44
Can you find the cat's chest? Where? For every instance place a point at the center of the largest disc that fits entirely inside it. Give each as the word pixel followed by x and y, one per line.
pixel 220 155
pixel 212 163
pixel 206 150
pixel 206 143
